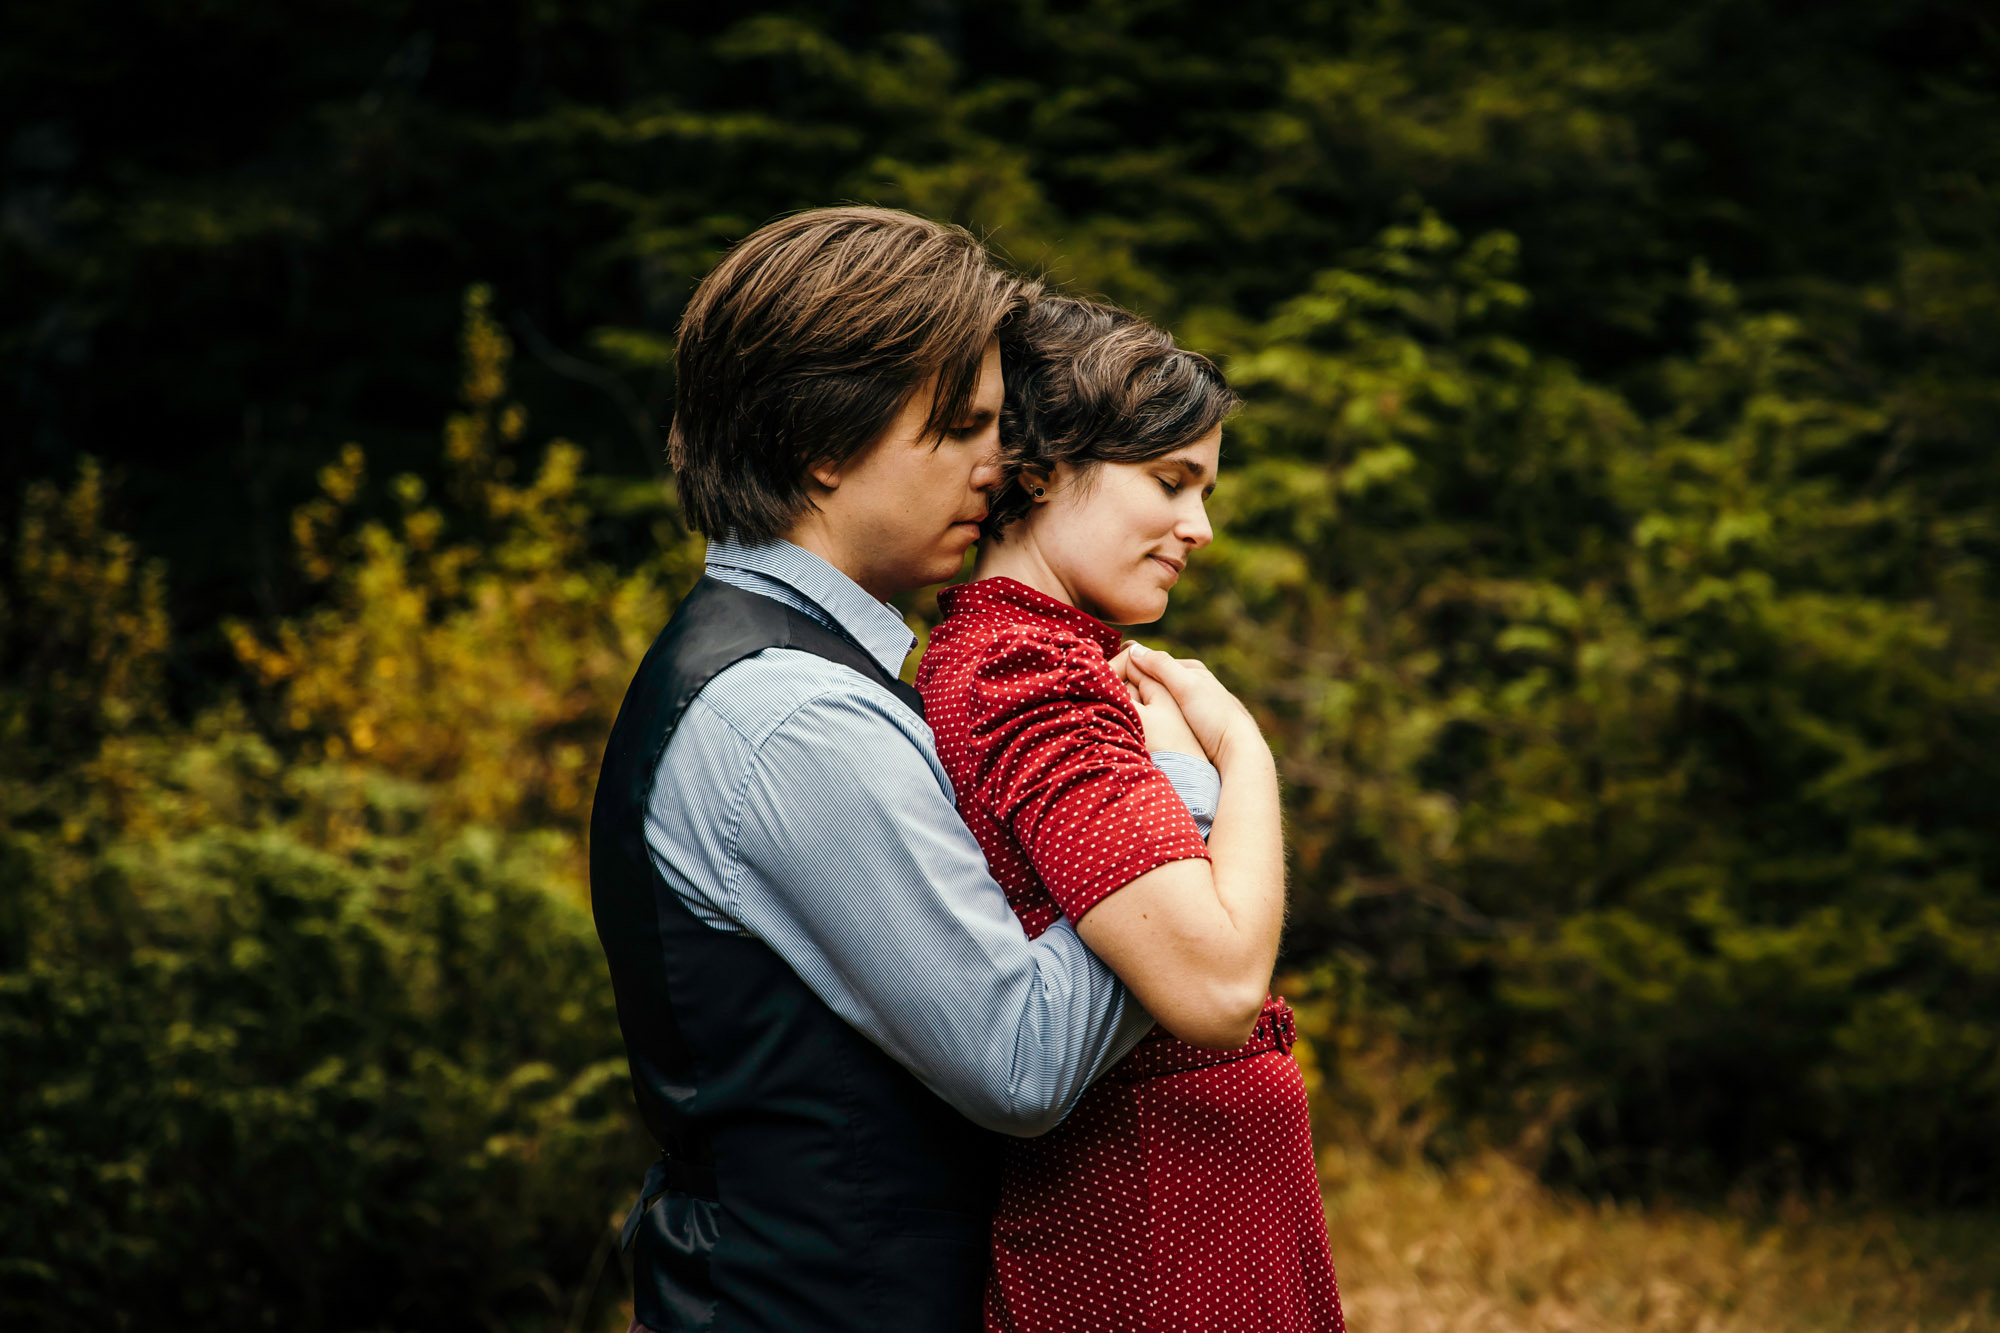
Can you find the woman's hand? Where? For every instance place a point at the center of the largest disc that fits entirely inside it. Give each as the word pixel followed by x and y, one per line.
pixel 1195 940
pixel 1218 720
pixel 1166 727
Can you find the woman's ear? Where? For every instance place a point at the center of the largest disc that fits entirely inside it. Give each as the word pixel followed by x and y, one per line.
pixel 1035 484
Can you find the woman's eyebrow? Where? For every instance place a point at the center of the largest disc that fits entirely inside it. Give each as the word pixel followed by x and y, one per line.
pixel 1195 471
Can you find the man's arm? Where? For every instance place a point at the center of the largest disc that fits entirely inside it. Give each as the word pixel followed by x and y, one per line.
pixel 829 831
pixel 857 870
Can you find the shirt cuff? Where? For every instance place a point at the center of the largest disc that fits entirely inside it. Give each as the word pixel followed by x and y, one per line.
pixel 1196 781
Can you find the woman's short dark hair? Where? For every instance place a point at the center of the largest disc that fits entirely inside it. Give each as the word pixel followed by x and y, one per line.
pixel 800 347
pixel 1088 383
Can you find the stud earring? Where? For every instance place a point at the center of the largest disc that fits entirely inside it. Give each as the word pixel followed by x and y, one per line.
pixel 1038 492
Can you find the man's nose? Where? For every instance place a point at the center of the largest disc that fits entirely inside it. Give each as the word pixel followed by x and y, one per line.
pixel 986 473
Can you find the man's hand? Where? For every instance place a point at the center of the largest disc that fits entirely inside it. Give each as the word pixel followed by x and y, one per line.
pixel 1219 721
pixel 1166 728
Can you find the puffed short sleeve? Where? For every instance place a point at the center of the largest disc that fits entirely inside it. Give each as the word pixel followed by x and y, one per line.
pixel 1061 763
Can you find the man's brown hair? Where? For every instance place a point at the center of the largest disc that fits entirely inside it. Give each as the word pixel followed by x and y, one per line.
pixel 803 343
pixel 1088 383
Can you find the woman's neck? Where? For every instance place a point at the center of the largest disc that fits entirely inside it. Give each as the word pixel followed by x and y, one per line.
pixel 1020 561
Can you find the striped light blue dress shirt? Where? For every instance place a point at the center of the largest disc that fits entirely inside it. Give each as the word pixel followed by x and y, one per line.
pixel 804 805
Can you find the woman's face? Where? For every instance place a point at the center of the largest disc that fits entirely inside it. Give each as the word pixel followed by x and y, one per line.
pixel 1117 535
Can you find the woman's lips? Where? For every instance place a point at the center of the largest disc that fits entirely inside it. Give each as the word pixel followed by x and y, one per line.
pixel 1166 564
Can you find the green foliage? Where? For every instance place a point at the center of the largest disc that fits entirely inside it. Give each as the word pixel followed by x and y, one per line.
pixel 84 631
pixel 296 1034
pixel 1608 543
pixel 487 668
pixel 1635 761
pixel 259 1084
pixel 213 303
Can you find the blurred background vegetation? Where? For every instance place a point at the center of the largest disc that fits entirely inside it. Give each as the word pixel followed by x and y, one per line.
pixel 1611 545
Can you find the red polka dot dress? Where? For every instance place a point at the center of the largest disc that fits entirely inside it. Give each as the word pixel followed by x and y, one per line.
pixel 1180 1194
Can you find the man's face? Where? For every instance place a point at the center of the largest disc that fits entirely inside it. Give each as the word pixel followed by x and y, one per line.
pixel 902 513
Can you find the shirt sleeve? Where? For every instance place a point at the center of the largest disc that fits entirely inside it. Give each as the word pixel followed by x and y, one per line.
pixel 860 874
pixel 1198 782
pixel 1062 764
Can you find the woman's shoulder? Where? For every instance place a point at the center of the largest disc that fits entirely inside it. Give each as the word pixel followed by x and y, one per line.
pixel 978 625
pixel 1000 618
pixel 983 647
pixel 1003 648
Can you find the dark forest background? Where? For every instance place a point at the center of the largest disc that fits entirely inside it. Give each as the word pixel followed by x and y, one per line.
pixel 1610 544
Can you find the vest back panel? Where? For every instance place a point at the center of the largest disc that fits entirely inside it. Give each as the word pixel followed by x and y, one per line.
pixel 846 1195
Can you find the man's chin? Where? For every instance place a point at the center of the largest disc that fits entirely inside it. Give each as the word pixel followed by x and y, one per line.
pixel 940 568
pixel 947 569
pixel 950 562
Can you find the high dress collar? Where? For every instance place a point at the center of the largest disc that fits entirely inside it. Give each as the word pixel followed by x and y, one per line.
pixel 1012 597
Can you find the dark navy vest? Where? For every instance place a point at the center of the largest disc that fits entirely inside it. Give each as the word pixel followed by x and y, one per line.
pixel 807 1181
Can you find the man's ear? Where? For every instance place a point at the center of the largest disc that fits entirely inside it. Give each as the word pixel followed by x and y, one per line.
pixel 826 473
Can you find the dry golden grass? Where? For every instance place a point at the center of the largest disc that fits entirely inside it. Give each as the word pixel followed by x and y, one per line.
pixel 1487 1247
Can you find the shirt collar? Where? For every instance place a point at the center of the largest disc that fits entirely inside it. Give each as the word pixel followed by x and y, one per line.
pixel 1013 597
pixel 876 627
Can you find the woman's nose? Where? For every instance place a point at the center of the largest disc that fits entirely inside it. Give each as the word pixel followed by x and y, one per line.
pixel 1194 529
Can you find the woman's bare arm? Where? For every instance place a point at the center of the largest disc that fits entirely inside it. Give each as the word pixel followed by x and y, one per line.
pixel 1195 940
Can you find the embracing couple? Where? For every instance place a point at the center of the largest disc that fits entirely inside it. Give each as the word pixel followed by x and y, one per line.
pixel 947 1004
